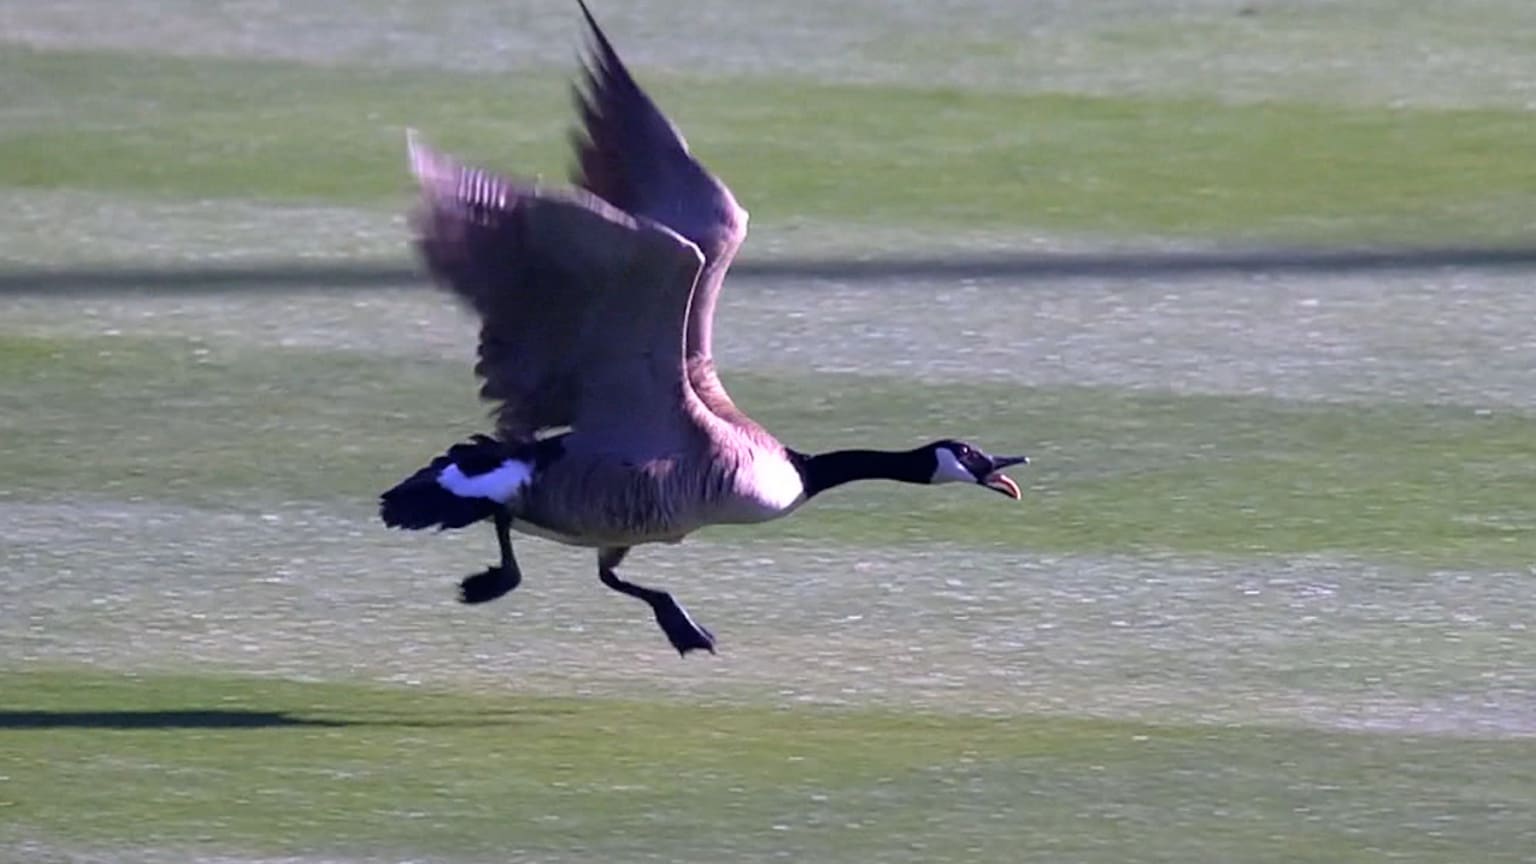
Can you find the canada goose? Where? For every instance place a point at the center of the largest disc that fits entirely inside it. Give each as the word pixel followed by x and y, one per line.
pixel 596 307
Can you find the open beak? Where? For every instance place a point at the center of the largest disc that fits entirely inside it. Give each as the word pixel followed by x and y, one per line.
pixel 997 481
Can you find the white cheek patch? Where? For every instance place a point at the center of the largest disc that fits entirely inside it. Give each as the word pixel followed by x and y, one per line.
pixel 950 470
pixel 500 485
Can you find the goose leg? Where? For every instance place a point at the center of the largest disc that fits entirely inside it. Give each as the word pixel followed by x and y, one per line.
pixel 487 586
pixel 682 631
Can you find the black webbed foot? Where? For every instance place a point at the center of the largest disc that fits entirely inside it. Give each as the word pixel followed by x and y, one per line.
pixel 487 586
pixel 682 631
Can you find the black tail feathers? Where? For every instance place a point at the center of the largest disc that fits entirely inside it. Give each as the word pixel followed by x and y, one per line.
pixel 420 501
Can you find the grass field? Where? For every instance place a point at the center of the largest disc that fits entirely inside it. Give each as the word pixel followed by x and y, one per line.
pixel 1269 596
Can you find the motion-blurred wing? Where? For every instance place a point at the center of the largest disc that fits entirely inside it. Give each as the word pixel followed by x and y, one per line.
pixel 630 155
pixel 582 308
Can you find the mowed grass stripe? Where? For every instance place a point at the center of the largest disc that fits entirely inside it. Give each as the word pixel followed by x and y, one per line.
pixel 1475 52
pixel 892 155
pixel 299 592
pixel 234 765
pixel 114 417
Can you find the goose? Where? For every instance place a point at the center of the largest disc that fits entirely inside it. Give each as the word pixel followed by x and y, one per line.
pixel 596 307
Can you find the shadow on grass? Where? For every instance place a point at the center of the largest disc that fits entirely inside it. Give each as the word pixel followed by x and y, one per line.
pixel 187 719
pixel 203 718
pixel 1015 267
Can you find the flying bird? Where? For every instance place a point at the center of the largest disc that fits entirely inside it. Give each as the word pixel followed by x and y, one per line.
pixel 596 305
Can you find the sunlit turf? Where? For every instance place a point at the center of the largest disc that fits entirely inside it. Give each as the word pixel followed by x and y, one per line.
pixel 172 421
pixel 203 506
pixel 327 770
pixel 893 155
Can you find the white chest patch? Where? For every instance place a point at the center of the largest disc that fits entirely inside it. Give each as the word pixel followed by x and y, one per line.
pixel 501 484
pixel 775 483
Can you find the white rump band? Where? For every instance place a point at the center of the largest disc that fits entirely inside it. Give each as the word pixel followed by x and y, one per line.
pixel 501 484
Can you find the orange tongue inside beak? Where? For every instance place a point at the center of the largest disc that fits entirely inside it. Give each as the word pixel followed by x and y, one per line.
pixel 1004 484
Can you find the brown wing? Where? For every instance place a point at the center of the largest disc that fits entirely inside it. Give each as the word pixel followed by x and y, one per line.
pixel 630 155
pixel 583 308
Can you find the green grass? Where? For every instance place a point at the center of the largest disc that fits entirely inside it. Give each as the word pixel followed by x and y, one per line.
pixel 243 765
pixel 171 421
pixel 895 155
pixel 195 498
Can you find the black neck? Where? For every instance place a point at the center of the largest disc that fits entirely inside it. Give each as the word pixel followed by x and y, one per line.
pixel 826 470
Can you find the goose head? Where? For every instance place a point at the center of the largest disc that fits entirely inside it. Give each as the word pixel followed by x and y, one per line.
pixel 959 462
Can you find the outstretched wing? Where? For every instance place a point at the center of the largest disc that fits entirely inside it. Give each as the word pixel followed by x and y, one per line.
pixel 630 155
pixel 582 307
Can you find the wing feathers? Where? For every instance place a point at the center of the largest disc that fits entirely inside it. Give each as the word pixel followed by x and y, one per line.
pixel 569 290
pixel 630 154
